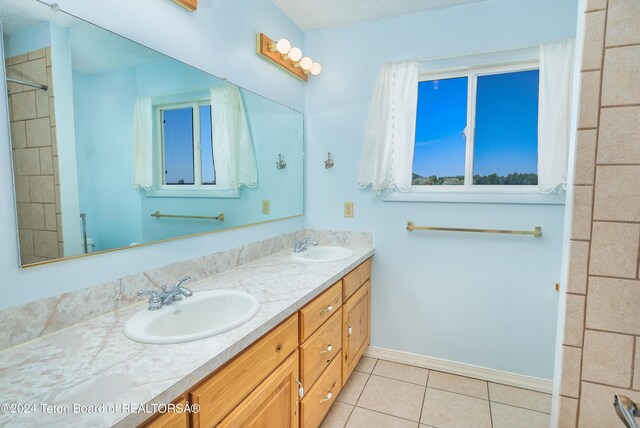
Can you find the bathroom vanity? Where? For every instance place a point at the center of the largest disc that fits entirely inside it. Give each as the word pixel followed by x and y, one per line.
pixel 312 327
pixel 292 375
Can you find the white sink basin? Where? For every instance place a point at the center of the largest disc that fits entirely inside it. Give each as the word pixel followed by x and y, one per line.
pixel 204 314
pixel 322 254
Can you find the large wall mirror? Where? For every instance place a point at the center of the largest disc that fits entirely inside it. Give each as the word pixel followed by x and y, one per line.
pixel 116 145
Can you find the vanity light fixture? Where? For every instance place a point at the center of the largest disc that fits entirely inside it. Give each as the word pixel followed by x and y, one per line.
pixel 188 4
pixel 290 58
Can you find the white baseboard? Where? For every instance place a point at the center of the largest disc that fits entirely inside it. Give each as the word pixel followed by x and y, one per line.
pixel 462 369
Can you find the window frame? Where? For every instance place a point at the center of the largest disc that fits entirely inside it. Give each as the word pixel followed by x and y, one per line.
pixel 197 190
pixel 472 73
pixel 197 145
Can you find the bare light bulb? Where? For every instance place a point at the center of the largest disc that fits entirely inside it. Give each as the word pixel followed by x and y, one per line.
pixel 283 46
pixel 294 54
pixel 315 69
pixel 306 63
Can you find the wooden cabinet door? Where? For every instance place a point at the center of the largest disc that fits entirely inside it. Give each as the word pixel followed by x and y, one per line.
pixel 173 419
pixel 355 328
pixel 274 403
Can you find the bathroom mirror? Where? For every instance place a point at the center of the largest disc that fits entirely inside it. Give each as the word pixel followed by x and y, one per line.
pixel 117 145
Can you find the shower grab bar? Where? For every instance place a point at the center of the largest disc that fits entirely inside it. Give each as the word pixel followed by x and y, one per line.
pixel 157 214
pixel 536 232
pixel 24 82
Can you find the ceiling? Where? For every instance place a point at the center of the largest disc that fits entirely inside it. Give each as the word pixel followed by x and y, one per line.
pixel 311 15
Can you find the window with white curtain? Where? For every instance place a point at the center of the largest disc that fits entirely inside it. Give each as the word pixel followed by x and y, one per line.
pixel 477 129
pixel 185 143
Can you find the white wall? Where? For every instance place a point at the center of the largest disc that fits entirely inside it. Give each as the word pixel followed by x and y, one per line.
pixel 220 39
pixel 487 300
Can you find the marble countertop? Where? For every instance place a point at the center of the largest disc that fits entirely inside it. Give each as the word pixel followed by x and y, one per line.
pixel 92 364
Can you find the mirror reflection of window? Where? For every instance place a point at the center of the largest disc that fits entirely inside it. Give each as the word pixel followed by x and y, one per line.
pixel 136 135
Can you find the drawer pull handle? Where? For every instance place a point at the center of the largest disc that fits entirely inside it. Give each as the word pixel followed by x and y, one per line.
pixel 327 309
pixel 300 389
pixel 327 398
pixel 350 330
pixel 329 349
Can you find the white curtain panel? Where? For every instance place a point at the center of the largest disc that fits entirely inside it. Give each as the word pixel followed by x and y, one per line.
pixel 387 155
pixel 233 153
pixel 554 112
pixel 142 144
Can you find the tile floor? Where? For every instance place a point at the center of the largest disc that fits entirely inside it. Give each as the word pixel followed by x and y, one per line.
pixel 388 395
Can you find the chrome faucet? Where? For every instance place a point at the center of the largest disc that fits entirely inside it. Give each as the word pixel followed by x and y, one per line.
pixel 177 293
pixel 155 302
pixel 300 246
pixel 167 297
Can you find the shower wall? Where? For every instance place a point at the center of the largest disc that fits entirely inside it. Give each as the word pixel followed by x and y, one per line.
pixel 35 157
pixel 602 330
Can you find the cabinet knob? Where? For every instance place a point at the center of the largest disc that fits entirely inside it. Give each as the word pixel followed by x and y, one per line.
pixel 327 398
pixel 327 309
pixel 349 330
pixel 328 349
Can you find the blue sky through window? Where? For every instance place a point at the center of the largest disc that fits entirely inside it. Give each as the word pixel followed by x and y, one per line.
pixel 506 134
pixel 178 146
pixel 440 121
pixel 506 138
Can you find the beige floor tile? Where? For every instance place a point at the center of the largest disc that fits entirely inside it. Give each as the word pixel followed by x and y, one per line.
pixel 392 397
pixel 402 372
pixel 353 388
pixel 445 409
pixel 366 364
pixel 509 417
pixel 518 397
pixel 458 384
pixel 363 418
pixel 337 416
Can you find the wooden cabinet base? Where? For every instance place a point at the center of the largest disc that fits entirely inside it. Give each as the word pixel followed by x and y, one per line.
pixel 318 400
pixel 355 329
pixel 274 403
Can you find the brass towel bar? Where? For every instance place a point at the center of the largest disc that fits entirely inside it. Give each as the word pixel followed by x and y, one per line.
pixel 537 231
pixel 200 217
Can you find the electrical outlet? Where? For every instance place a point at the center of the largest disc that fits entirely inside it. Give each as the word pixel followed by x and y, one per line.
pixel 348 209
pixel 266 206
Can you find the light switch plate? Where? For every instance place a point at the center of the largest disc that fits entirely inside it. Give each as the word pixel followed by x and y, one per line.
pixel 266 206
pixel 348 209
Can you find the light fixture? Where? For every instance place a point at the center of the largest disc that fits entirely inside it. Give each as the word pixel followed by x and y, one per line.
pixel 315 69
pixel 188 4
pixel 305 63
pixel 282 46
pixel 290 58
pixel 294 55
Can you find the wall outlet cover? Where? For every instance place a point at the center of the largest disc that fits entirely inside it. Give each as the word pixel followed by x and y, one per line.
pixel 348 209
pixel 266 206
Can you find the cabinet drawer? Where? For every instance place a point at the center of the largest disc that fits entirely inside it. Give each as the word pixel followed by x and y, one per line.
pixel 227 387
pixel 171 419
pixel 356 278
pixel 315 355
pixel 319 310
pixel 318 400
pixel 274 403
